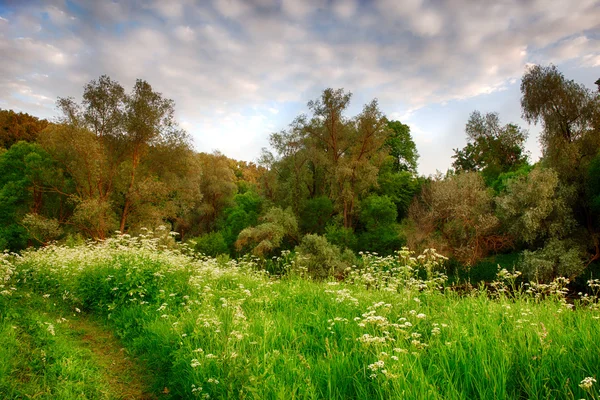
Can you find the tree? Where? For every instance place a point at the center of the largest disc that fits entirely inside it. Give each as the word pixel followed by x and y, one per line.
pixel 381 234
pixel 128 160
pixel 401 147
pixel 322 259
pixel 15 127
pixel 243 213
pixel 536 211
pixel 25 171
pixel 329 155
pixel 455 215
pixel 149 120
pixel 570 116
pixel 491 148
pixel 218 188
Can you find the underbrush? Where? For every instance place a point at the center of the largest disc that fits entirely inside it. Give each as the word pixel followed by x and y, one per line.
pixel 389 328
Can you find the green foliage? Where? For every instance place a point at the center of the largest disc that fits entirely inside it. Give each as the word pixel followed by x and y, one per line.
pixel 401 147
pixel 501 183
pixel 321 259
pixel 557 258
pixel 377 211
pixel 24 171
pixel 243 214
pixel 401 187
pixel 210 244
pixel 384 240
pixel 341 236
pixel 278 228
pixel 316 214
pixel 492 149
pixel 536 207
pixel 381 235
pixel 593 185
pixel 456 216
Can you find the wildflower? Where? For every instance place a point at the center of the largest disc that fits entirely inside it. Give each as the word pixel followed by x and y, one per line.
pixel 587 383
pixel 376 365
pixel 421 316
pixel 195 363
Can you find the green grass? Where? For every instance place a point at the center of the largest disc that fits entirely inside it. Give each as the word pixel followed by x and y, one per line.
pixel 211 329
pixel 51 352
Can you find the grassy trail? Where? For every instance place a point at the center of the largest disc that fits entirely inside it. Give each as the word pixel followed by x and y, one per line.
pixel 126 378
pixel 50 352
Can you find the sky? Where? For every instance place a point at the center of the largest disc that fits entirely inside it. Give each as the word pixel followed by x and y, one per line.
pixel 241 70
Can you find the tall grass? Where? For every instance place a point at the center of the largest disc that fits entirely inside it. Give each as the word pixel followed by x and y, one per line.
pixel 390 329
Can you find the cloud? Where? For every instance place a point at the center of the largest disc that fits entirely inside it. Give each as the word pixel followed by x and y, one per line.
pixel 216 59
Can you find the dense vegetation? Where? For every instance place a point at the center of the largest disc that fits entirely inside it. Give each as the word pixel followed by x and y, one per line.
pixel 211 328
pixel 330 184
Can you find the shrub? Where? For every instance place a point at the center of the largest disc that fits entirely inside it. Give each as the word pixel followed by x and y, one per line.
pixel 322 259
pixel 211 244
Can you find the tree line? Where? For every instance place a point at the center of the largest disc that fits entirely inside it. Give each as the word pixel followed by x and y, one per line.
pixel 330 184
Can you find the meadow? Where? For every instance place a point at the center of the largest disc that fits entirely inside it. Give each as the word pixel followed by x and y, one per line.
pixel 199 327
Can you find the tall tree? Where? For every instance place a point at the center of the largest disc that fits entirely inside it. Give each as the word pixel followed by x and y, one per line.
pixel 149 120
pixel 491 148
pixel 570 116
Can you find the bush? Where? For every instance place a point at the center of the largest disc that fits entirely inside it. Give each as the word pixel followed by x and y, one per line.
pixel 322 259
pixel 211 244
pixel 558 258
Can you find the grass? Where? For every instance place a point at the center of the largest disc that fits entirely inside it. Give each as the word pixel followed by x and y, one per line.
pixel 51 352
pixel 222 329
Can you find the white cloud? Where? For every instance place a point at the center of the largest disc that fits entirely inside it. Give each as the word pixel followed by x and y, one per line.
pixel 217 59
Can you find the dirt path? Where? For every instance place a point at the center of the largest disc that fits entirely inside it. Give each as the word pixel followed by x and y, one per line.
pixel 127 378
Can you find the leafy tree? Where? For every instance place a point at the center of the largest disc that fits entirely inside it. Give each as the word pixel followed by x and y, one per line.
pixel 400 187
pixel 536 207
pixel 149 120
pixel 593 185
pixel 456 216
pixel 129 162
pixel 25 171
pixel 401 147
pixel 316 214
pixel 341 236
pixel 242 214
pixel 15 127
pixel 218 188
pixel 381 234
pixel 377 211
pixel 536 211
pixel 491 148
pixel 77 152
pixel 570 116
